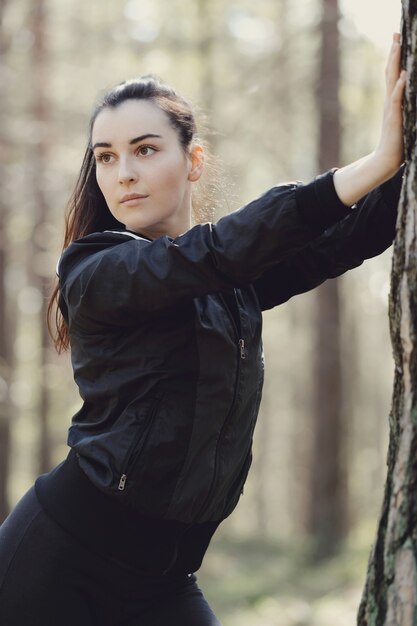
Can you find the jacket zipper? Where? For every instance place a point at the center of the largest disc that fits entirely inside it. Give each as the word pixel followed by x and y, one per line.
pixel 144 434
pixel 238 330
pixel 241 356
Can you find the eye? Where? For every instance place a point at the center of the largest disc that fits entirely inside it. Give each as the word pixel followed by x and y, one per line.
pixel 146 150
pixel 104 157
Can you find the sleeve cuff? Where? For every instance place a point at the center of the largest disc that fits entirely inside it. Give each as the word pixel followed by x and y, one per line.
pixel 319 204
pixel 391 189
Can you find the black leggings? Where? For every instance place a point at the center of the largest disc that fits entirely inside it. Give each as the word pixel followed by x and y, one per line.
pixel 48 578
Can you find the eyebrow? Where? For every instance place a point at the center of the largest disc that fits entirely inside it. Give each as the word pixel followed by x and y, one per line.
pixel 104 144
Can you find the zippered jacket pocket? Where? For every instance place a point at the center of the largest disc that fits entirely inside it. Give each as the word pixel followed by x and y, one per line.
pixel 133 457
pixel 136 448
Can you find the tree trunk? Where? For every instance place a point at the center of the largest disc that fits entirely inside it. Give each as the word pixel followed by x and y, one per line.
pixel 39 165
pixel 206 197
pixel 327 498
pixel 5 330
pixel 261 500
pixel 206 17
pixel 390 595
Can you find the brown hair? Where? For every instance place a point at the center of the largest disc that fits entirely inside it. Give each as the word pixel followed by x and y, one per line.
pixel 87 209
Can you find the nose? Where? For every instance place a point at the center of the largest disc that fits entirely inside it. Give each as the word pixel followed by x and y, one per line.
pixel 127 172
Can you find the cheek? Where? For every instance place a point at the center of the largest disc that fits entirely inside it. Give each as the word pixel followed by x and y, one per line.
pixel 103 183
pixel 175 175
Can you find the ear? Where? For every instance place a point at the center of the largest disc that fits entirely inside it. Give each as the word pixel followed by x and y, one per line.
pixel 196 163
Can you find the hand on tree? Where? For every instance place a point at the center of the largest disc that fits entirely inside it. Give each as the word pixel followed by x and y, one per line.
pixel 354 181
pixel 390 149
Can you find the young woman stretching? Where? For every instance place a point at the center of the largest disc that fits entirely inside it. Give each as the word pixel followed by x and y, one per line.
pixel 164 325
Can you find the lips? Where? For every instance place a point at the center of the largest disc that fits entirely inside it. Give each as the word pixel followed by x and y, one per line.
pixel 131 197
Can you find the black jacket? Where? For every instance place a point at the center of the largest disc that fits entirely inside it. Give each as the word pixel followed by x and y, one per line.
pixel 166 339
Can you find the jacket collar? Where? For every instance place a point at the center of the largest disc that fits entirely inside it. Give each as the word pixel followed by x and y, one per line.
pixel 129 233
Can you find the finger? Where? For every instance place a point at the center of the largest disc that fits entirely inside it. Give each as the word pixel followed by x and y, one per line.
pixel 393 67
pixel 394 50
pixel 394 105
pixel 398 91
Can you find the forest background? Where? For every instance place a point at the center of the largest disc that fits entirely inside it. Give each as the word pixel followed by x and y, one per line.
pixel 253 70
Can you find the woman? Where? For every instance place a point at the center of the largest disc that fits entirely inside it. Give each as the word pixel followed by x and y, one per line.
pixel 164 323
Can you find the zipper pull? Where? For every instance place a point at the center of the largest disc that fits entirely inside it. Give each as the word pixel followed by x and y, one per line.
pixel 122 482
pixel 242 348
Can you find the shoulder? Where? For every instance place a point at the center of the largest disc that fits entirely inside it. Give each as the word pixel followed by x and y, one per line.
pixel 105 238
pixel 94 246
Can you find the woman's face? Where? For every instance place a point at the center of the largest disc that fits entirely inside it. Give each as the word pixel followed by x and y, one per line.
pixel 142 169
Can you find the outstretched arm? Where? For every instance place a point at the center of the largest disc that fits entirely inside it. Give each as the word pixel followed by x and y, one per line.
pixel 355 180
pixel 365 232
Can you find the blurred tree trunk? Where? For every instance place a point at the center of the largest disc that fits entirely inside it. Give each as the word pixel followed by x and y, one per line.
pixel 206 16
pixel 390 595
pixel 205 199
pixel 41 120
pixel 6 332
pixel 260 496
pixel 282 88
pixel 326 517
pixel 279 94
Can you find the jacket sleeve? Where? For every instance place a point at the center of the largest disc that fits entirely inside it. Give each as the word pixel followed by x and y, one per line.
pixel 365 233
pixel 115 283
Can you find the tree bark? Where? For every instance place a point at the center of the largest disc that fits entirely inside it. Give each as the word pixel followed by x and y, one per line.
pixel 390 594
pixel 327 495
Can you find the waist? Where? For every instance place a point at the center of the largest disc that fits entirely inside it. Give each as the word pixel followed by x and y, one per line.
pixel 106 525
